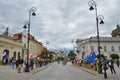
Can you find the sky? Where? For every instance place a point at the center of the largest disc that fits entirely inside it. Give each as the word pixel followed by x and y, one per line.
pixel 59 21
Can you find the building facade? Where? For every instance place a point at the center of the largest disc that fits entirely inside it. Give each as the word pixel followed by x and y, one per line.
pixel 35 47
pixel 109 45
pixel 11 47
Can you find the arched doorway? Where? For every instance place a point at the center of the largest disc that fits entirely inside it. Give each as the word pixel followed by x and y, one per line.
pixel 5 57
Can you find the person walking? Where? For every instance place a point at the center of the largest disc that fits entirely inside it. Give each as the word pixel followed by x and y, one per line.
pixel 16 64
pixel 32 64
pixel 111 65
pixel 20 62
pixel 13 62
pixel 117 62
pixel 97 65
pixel 105 67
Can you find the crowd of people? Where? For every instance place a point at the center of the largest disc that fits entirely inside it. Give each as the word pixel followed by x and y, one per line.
pixel 101 65
pixel 20 64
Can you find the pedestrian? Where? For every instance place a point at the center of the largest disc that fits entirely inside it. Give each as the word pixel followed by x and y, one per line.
pixel 97 65
pixel 117 62
pixel 10 62
pixel 16 64
pixel 20 62
pixel 111 65
pixel 3 58
pixel 32 64
pixel 6 58
pixel 105 67
pixel 13 62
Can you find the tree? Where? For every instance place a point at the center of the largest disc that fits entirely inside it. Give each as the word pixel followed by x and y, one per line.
pixel 44 53
pixel 60 58
pixel 114 56
pixel 50 55
pixel 71 55
pixel 100 56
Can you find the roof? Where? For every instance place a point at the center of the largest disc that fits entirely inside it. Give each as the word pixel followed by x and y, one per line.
pixel 102 39
pixel 18 36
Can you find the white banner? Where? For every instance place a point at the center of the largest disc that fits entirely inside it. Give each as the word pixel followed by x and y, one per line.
pixel 24 36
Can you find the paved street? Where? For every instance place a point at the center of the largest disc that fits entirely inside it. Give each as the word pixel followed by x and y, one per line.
pixel 7 73
pixel 56 72
pixel 62 72
pixel 113 76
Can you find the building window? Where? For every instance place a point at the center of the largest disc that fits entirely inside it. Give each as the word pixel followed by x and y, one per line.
pixel 112 48
pixel 14 55
pixel 105 48
pixel 92 48
pixel 119 48
pixel 18 54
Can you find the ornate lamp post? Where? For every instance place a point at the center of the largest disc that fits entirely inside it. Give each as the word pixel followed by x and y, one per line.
pixel 27 24
pixel 99 20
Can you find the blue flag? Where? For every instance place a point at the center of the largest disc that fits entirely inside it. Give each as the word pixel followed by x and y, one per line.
pixel 91 57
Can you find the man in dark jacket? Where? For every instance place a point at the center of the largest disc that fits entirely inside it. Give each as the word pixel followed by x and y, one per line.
pixel 20 62
pixel 105 67
pixel 111 64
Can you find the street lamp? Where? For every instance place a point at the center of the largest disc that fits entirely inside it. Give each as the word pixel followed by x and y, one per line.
pixel 72 41
pixel 47 42
pixel 99 20
pixel 31 12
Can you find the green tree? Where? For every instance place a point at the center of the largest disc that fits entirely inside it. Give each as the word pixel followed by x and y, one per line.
pixel 100 56
pixel 71 55
pixel 60 58
pixel 50 55
pixel 114 56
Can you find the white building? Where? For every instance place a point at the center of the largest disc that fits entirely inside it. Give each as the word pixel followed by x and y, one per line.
pixel 109 45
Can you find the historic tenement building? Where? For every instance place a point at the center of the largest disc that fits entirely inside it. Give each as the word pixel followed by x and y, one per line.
pixel 10 47
pixel 35 47
pixel 14 47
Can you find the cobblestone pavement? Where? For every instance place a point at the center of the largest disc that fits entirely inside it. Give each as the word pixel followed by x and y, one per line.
pixel 7 73
pixel 110 76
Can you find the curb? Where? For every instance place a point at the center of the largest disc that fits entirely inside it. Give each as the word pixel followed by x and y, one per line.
pixel 40 69
pixel 87 70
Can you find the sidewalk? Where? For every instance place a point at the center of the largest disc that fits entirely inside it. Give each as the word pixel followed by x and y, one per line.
pixel 101 76
pixel 7 73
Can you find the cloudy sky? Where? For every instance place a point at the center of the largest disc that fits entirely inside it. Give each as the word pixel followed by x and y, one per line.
pixel 59 21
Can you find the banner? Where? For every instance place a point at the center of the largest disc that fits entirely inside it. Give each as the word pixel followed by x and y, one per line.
pixel 24 36
pixel 91 57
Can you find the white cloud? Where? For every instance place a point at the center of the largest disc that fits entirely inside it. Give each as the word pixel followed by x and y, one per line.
pixel 59 21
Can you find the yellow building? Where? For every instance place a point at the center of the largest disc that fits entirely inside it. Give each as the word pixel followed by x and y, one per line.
pixel 11 47
pixel 35 47
pixel 14 47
